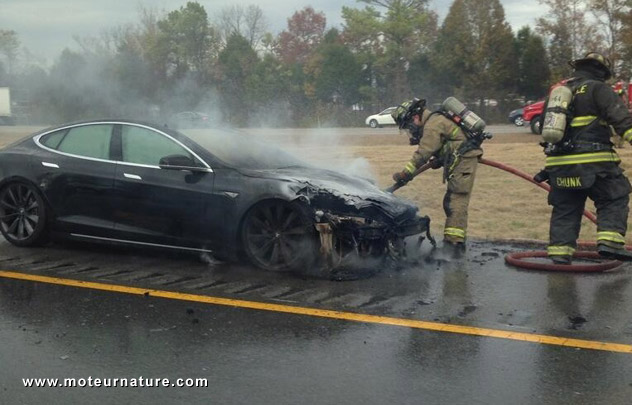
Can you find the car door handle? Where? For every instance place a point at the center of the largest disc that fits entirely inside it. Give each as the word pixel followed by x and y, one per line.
pixel 53 165
pixel 132 176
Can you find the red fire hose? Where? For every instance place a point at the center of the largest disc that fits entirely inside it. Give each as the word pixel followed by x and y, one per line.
pixel 529 178
pixel 517 258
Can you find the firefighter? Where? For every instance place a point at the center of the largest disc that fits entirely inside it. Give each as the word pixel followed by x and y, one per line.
pixel 581 162
pixel 442 140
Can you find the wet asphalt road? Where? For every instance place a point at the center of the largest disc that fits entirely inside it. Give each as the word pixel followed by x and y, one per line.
pixel 252 356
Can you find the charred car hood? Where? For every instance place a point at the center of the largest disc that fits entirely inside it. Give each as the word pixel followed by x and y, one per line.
pixel 340 193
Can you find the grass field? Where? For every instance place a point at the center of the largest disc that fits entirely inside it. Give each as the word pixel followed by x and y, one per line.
pixel 503 206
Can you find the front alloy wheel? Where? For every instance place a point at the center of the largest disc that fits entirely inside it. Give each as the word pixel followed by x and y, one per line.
pixel 519 121
pixel 278 236
pixel 22 215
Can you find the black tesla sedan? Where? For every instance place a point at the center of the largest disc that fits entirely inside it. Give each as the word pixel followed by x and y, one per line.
pixel 136 183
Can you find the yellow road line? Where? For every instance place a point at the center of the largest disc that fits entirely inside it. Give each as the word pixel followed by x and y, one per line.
pixel 323 313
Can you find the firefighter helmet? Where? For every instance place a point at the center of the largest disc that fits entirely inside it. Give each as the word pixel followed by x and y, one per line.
pixel 594 59
pixel 403 114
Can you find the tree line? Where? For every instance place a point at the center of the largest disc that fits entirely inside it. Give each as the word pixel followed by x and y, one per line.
pixel 386 51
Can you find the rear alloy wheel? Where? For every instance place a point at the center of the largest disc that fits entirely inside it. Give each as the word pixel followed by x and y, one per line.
pixel 22 215
pixel 278 236
pixel 536 125
pixel 373 124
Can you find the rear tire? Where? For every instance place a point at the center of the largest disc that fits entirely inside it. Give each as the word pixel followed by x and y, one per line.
pixel 279 236
pixel 536 125
pixel 23 215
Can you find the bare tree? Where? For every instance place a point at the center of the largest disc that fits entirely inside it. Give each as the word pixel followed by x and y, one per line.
pixel 249 22
pixel 9 46
pixel 626 45
pixel 568 32
pixel 570 16
pixel 608 14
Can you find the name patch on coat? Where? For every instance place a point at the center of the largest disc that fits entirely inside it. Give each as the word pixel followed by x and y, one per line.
pixel 568 182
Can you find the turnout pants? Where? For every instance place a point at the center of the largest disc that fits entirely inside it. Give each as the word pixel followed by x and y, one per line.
pixel 610 193
pixel 457 199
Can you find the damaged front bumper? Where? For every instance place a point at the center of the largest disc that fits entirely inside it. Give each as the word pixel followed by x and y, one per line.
pixel 359 225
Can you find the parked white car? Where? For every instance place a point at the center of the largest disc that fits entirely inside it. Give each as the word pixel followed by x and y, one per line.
pixel 383 118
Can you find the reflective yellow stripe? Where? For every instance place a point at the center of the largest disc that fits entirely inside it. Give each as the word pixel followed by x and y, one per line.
pixel 610 236
pixel 627 135
pixel 560 250
pixel 457 232
pixel 583 120
pixel 455 131
pixel 582 158
pixel 410 167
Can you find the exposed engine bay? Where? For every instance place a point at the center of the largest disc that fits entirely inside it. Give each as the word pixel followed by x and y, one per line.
pixel 356 231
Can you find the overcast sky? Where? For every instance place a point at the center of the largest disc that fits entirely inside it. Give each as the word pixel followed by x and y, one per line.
pixel 46 27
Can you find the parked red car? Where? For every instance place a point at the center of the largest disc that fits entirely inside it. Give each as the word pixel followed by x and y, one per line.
pixel 533 113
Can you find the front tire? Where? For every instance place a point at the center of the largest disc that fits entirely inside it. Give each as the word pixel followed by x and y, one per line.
pixel 23 215
pixel 373 124
pixel 279 236
pixel 519 121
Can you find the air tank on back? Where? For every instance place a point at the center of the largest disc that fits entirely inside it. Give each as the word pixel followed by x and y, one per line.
pixel 554 124
pixel 462 114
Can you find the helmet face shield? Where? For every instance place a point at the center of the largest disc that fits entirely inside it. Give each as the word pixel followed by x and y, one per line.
pixel 415 133
pixel 403 114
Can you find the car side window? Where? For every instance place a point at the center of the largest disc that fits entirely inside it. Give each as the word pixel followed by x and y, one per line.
pixel 146 147
pixel 88 140
pixel 53 140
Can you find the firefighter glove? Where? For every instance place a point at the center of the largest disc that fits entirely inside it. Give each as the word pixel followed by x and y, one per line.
pixel 435 163
pixel 402 177
pixel 542 176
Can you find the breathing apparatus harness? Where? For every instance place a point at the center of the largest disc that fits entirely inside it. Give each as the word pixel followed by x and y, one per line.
pixel 559 114
pixel 472 126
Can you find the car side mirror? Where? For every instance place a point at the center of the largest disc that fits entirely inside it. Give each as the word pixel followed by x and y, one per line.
pixel 179 162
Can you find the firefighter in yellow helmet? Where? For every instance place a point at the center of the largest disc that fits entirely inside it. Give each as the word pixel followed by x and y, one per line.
pixel 441 139
pixel 581 161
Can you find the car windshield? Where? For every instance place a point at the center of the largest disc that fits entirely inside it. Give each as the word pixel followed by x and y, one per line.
pixel 242 151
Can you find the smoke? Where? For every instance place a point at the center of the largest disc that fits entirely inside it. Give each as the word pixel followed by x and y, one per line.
pixel 257 148
pixel 273 115
pixel 99 82
pixel 323 147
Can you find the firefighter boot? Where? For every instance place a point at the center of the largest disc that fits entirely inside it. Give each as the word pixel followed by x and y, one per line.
pixel 454 250
pixel 613 250
pixel 562 259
